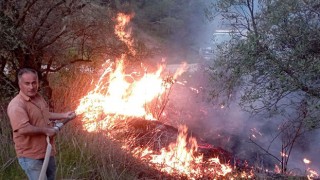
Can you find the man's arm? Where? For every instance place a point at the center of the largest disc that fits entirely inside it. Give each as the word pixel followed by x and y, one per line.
pixel 57 116
pixel 33 130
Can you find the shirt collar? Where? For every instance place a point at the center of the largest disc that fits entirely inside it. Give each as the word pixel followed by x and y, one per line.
pixel 25 97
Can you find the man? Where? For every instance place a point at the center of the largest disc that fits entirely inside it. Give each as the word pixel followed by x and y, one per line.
pixel 31 123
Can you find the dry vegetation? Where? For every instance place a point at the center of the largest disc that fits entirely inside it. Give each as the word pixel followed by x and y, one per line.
pixel 83 155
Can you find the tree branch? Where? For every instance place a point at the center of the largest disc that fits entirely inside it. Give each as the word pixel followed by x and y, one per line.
pixel 266 151
pixel 45 17
pixel 64 65
pixel 25 12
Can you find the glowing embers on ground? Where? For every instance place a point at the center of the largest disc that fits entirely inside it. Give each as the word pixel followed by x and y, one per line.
pixel 311 174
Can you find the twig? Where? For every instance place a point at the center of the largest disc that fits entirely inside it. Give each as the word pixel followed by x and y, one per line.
pixel 7 164
pixel 265 150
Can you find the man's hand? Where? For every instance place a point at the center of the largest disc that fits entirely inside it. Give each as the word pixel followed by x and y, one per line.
pixel 51 132
pixel 70 115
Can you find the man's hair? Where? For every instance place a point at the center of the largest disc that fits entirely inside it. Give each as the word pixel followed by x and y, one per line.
pixel 26 70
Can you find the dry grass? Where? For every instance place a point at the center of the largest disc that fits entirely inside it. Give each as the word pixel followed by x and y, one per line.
pixel 86 155
pixel 9 167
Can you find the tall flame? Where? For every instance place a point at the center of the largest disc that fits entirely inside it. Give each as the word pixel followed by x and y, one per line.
pixel 123 33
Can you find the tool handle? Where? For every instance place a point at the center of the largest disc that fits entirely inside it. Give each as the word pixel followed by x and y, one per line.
pixel 58 125
pixel 43 175
pixel 65 121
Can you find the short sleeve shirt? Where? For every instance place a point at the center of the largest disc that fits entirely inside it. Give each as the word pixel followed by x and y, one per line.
pixel 24 111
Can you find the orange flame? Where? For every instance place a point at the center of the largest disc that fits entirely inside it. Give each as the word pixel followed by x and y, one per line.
pixel 122 33
pixel 180 158
pixel 114 97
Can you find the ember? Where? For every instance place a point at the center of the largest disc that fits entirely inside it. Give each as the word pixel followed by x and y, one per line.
pixel 306 161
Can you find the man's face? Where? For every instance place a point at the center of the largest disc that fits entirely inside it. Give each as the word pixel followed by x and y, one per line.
pixel 28 84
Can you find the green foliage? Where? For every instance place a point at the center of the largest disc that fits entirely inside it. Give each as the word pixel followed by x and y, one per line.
pixel 276 60
pixel 271 64
pixel 49 36
pixel 9 34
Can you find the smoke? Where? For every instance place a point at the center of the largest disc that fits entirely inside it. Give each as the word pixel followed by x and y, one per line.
pixel 252 138
pixel 255 139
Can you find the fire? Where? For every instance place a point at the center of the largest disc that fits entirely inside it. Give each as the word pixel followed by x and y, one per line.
pixel 312 174
pixel 306 161
pixel 283 154
pixel 180 158
pixel 122 33
pixel 277 169
pixel 113 98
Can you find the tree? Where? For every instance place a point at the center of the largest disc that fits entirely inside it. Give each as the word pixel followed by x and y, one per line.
pixel 271 62
pixel 50 35
pixel 273 57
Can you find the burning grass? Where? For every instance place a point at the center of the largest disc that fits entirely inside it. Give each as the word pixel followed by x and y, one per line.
pixel 177 151
pixel 94 156
pixel 163 148
pixel 126 112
